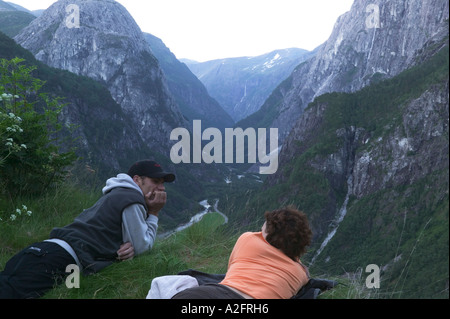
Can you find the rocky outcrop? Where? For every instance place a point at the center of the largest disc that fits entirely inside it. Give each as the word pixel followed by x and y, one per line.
pixel 412 151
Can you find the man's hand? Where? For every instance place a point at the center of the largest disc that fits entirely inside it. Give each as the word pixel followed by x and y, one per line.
pixel 155 201
pixel 126 251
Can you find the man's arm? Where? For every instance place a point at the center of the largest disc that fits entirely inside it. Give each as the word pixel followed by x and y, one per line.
pixel 138 229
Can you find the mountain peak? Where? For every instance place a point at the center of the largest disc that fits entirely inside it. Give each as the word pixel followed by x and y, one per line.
pixel 101 40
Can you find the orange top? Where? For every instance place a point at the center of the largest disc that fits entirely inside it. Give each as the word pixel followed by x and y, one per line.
pixel 262 271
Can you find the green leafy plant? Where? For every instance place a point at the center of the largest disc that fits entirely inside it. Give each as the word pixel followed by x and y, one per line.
pixel 30 156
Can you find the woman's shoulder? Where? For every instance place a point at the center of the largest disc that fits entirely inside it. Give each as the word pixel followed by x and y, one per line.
pixel 251 235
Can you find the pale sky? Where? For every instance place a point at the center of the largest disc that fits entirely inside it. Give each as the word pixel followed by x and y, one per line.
pixel 204 30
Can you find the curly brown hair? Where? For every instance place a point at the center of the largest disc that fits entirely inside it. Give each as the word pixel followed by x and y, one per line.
pixel 288 230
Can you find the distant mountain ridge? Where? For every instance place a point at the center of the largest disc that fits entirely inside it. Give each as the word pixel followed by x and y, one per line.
pixel 190 94
pixel 14 18
pixel 20 8
pixel 242 84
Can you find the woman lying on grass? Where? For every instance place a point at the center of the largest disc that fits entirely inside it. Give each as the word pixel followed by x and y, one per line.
pixel 266 264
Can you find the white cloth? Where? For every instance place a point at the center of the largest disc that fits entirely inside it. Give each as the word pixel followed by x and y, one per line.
pixel 165 287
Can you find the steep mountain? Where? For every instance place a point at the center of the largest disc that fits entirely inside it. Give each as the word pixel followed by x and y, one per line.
pixel 101 126
pixel 375 40
pixel 241 85
pixel 100 40
pixel 190 94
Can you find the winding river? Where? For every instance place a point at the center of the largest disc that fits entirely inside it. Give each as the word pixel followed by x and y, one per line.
pixel 196 218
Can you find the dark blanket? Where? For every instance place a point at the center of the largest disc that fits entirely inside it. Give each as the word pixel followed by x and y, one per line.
pixel 311 290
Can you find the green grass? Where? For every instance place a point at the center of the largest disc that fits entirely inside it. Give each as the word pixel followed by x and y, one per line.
pixel 54 209
pixel 203 247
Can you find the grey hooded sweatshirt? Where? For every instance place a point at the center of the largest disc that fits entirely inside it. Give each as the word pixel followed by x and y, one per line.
pixel 137 227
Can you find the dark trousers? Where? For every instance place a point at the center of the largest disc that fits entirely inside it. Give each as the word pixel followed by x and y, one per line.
pixel 208 291
pixel 34 271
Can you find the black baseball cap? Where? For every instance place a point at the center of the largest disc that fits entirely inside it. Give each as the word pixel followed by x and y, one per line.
pixel 150 169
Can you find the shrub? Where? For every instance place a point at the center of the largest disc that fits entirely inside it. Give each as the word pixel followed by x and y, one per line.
pixel 30 158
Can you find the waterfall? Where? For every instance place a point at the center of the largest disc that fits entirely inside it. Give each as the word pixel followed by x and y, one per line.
pixel 335 223
pixel 370 51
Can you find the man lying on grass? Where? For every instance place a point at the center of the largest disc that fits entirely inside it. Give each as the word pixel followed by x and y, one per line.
pixel 121 224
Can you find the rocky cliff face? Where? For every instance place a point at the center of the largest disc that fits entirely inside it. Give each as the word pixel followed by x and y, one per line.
pixel 374 40
pixel 411 151
pixel 100 39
